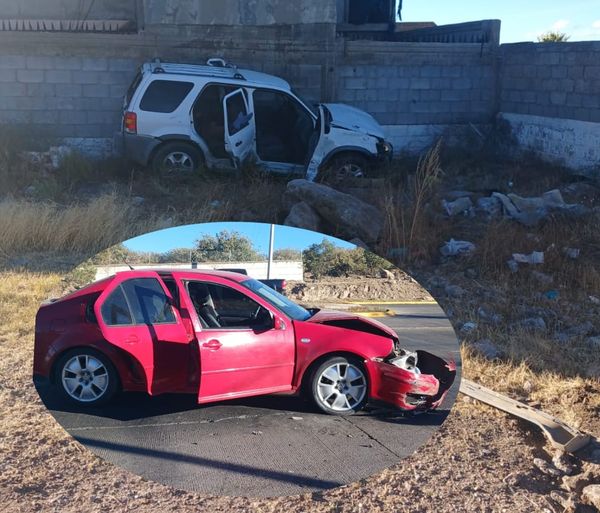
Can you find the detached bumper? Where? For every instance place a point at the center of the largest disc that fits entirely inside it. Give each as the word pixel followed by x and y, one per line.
pixel 409 391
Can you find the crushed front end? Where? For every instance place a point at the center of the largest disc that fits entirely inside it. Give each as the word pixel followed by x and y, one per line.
pixel 413 381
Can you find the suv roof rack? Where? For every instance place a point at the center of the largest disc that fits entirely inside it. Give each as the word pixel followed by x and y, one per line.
pixel 215 67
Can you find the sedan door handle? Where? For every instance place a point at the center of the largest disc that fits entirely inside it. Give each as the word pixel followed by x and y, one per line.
pixel 213 345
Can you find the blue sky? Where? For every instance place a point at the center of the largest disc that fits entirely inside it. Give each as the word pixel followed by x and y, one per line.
pixel 522 20
pixel 185 236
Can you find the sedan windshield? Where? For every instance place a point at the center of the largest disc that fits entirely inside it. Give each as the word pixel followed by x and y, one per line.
pixel 278 300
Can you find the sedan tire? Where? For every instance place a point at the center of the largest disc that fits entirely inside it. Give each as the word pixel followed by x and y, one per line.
pixel 86 377
pixel 339 385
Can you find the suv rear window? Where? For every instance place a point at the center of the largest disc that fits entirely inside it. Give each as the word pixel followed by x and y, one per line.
pixel 165 95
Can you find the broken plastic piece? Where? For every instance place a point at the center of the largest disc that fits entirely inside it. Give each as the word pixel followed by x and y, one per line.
pixel 537 257
pixel 457 247
pixel 406 360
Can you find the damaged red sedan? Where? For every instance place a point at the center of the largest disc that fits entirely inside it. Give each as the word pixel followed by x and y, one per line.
pixel 221 335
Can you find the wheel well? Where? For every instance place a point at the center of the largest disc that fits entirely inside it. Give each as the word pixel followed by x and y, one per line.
pixel 340 152
pixel 317 361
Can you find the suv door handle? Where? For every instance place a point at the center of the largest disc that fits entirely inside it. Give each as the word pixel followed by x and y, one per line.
pixel 239 143
pixel 213 345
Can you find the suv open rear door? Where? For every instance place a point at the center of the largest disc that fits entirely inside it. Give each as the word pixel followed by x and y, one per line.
pixel 240 131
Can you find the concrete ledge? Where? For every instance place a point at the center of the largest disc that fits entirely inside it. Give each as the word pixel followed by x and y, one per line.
pixel 568 142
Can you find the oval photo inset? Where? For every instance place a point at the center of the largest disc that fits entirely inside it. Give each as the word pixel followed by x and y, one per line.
pixel 246 359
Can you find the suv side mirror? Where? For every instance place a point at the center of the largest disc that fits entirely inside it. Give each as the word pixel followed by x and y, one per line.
pixel 278 324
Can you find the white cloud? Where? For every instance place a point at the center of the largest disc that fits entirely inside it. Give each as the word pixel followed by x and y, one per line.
pixel 596 24
pixel 560 24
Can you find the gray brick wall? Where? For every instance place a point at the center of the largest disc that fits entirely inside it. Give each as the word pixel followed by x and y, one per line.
pixel 558 80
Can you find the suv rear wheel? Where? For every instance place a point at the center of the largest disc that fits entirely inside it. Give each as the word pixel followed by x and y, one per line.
pixel 177 157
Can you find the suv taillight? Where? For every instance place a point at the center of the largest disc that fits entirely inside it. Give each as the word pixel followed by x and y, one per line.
pixel 130 123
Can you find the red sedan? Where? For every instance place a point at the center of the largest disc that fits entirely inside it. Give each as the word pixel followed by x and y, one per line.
pixel 221 335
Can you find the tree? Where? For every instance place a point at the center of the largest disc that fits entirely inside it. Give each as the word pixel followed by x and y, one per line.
pixel 553 36
pixel 226 246
pixel 178 256
pixel 287 254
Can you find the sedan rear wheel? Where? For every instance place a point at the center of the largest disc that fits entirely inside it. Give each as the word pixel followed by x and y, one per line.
pixel 340 386
pixel 86 377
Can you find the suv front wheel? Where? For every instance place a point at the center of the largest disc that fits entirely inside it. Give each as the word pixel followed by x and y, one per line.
pixel 176 157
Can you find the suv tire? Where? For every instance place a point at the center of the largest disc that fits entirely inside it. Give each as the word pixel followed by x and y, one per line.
pixel 177 157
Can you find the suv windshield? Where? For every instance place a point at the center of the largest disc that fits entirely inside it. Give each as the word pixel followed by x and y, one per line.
pixel 276 299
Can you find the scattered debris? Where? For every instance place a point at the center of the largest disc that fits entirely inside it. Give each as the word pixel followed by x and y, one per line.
pixel 491 207
pixel 513 265
pixel 454 291
pixel 572 253
pixel 458 206
pixel 489 317
pixel 257 432
pixel 457 247
pixel 49 160
pixel 595 300
pixel 535 258
pixel 543 278
pixel 296 418
pixel 533 324
pixel 563 462
pixel 552 295
pixel 468 327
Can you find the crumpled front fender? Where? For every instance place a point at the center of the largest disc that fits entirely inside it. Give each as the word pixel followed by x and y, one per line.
pixel 410 391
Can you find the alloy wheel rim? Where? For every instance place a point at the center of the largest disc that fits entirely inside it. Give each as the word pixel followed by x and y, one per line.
pixel 85 378
pixel 341 386
pixel 349 170
pixel 178 161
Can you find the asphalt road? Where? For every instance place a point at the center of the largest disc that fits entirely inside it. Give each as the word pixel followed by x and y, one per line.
pixel 264 446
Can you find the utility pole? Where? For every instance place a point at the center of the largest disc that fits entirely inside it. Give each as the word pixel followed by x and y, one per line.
pixel 271 241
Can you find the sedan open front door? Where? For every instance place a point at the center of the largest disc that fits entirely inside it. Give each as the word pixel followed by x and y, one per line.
pixel 136 314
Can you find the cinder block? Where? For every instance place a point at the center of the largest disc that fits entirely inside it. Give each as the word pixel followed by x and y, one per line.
pixel 15 116
pixel 72 117
pixel 558 98
pixel 94 64
pixel 591 72
pixel 13 62
pixel 102 117
pixel 591 101
pixel 70 63
pixel 58 76
pixel 451 71
pixel 543 71
pixel 559 72
pixel 462 83
pixel 127 65
pixel 30 75
pixel 44 117
pixel 551 59
pixel 69 90
pixel 356 83
pixel 575 72
pixel 400 83
pixel 431 71
pixel 574 100
pixel 41 90
pixel 40 62
pixel 95 91
pixel 346 71
pixel 8 75
pixel 87 77
pixel 420 83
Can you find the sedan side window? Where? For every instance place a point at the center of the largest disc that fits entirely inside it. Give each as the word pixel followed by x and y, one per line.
pixel 149 303
pixel 219 306
pixel 115 310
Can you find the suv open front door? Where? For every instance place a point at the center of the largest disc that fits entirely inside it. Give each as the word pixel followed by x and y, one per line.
pixel 136 314
pixel 240 132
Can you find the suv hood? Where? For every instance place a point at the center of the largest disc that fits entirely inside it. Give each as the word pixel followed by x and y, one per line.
pixel 351 118
pixel 352 321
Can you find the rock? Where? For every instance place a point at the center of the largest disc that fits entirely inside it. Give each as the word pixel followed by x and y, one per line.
pixel 594 300
pixel 566 500
pixel 512 265
pixel 29 191
pixel 491 207
pixel 359 243
pixel 454 195
pixel 591 495
pixel 533 324
pixel 471 273
pixel 487 349
pixel 457 247
pixel 563 463
pixel 490 317
pixel 454 291
pixel 581 330
pixel 304 216
pixel 528 387
pixel 384 273
pixel 577 482
pixel 137 201
pixel 541 277
pixel 458 206
pixel 546 468
pixel 350 216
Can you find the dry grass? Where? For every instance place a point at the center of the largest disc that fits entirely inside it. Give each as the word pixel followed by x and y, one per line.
pixel 84 229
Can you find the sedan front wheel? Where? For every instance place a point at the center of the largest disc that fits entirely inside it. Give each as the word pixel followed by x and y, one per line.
pixel 339 385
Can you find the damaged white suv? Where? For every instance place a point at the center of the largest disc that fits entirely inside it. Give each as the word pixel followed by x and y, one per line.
pixel 179 117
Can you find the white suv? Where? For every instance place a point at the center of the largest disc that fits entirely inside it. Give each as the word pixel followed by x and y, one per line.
pixel 183 116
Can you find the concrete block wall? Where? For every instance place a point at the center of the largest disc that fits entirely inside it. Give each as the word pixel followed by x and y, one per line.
pixel 419 84
pixel 558 80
